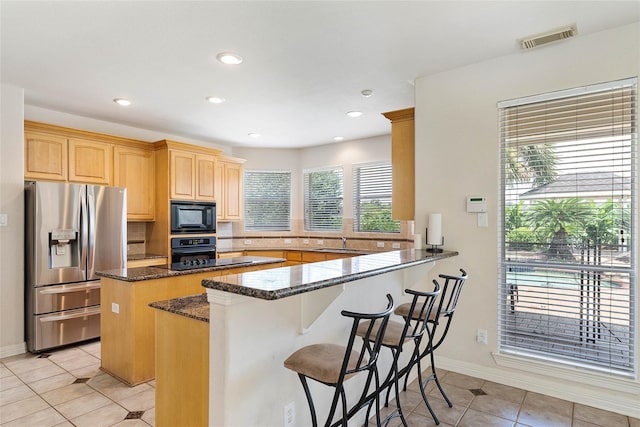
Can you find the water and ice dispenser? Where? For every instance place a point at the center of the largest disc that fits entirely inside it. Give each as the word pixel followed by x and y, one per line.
pixel 63 244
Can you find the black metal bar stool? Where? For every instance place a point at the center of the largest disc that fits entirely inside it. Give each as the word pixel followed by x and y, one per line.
pixel 440 317
pixel 333 364
pixel 399 333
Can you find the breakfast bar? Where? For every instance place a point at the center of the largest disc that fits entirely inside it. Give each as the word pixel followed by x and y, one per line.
pixel 256 319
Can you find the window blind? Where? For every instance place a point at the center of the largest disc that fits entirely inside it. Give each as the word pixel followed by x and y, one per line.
pixel 372 199
pixel 267 200
pixel 323 194
pixel 568 227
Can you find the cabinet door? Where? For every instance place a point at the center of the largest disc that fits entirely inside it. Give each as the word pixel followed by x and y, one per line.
pixel 134 168
pixel 205 177
pixel 233 202
pixel 45 156
pixel 182 175
pixel 90 161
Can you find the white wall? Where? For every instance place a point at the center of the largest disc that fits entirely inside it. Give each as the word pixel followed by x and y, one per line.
pixel 12 236
pixel 457 154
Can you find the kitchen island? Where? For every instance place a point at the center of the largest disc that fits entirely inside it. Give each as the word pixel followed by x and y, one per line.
pixel 257 319
pixel 127 322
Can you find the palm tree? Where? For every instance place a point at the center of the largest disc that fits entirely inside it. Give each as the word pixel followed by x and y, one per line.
pixel 534 163
pixel 557 218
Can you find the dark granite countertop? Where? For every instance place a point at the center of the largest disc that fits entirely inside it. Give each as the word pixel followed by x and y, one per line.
pixel 159 271
pixel 287 281
pixel 193 306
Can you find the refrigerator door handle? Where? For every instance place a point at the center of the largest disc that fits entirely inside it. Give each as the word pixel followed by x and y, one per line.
pixel 91 232
pixel 84 241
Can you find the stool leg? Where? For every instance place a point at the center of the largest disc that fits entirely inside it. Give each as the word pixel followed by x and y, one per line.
pixel 305 386
pixel 435 377
pixel 422 385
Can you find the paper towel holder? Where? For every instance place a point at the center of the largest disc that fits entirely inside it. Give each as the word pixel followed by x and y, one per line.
pixel 434 249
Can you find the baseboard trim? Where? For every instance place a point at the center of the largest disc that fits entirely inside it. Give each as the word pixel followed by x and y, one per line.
pixel 13 349
pixel 609 394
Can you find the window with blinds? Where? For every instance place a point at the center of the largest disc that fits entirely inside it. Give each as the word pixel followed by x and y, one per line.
pixel 568 227
pixel 323 194
pixel 372 199
pixel 267 200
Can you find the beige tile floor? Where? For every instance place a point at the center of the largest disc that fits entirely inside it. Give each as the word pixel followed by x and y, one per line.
pixel 67 388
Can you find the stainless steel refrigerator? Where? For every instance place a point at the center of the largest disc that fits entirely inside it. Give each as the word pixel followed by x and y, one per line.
pixel 71 231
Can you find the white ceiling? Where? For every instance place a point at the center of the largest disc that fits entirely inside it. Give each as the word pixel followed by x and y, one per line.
pixel 305 62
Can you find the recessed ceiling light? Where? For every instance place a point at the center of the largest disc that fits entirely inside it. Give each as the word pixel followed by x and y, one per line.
pixel 122 101
pixel 254 135
pixel 229 58
pixel 366 93
pixel 215 99
pixel 338 138
pixel 354 113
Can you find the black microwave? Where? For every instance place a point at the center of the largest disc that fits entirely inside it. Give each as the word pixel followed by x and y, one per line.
pixel 193 217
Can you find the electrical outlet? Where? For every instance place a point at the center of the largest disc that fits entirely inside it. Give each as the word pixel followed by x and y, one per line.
pixel 115 308
pixel 320 242
pixel 4 220
pixel 305 241
pixel 380 244
pixel 247 242
pixel 395 245
pixel 290 414
pixel 481 336
pixel 287 241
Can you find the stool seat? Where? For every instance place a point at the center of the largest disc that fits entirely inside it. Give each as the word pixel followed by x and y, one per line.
pixel 322 362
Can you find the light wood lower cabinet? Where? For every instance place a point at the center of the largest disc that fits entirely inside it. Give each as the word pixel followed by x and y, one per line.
pixel 90 161
pixel 134 168
pixel 45 156
pixel 182 371
pixel 127 328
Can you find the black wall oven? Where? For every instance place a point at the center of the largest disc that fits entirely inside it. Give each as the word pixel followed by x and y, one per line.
pixel 187 253
pixel 193 217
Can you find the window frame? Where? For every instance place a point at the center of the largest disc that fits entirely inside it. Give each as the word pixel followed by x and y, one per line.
pixel 310 205
pixel 284 225
pixel 386 193
pixel 506 265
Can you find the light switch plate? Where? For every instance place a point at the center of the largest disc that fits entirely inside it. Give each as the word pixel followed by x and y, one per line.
pixel 4 220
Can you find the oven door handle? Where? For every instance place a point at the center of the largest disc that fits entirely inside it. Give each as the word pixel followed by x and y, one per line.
pixel 58 317
pixel 193 251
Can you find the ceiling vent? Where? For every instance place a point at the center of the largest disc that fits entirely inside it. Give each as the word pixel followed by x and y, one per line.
pixel 548 37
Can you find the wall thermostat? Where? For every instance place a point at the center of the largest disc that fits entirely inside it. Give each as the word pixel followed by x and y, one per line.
pixel 476 204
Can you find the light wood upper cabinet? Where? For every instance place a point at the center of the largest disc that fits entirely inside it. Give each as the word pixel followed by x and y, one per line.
pixel 191 176
pixel 402 163
pixel 182 175
pixel 205 166
pixel 134 168
pixel 90 161
pixel 228 188
pixel 45 156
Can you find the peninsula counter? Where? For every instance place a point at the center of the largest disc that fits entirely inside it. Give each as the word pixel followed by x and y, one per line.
pixel 257 319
